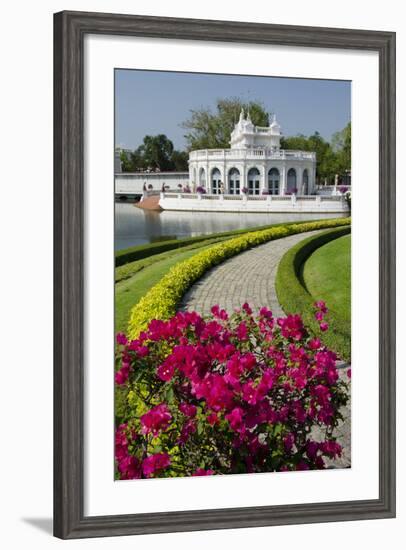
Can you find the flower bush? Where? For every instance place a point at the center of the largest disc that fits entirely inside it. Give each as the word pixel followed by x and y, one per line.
pixel 230 393
pixel 161 300
pixel 201 190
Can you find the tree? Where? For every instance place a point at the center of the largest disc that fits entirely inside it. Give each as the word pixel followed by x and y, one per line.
pixel 326 159
pixel 341 144
pixel 180 160
pixel 126 161
pixel 156 152
pixel 208 130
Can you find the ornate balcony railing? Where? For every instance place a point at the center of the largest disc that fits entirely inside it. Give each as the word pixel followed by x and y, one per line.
pixel 251 154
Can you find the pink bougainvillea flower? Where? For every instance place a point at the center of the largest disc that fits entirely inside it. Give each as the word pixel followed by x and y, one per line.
pixel 247 308
pixel 219 313
pixel 213 419
pixel 155 463
pixel 166 370
pixel 122 374
pixel 302 465
pixel 265 312
pixel 129 468
pixel 188 409
pixel 312 448
pixel 121 339
pixel 319 315
pixel 315 344
pixel 203 472
pixel 235 418
pixel 323 326
pixel 331 448
pixel 321 305
pixel 188 429
pixel 291 327
pixel 288 442
pixel 242 331
pixel 155 420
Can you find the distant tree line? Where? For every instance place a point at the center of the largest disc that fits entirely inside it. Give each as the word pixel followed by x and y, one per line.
pixel 155 153
pixel 206 129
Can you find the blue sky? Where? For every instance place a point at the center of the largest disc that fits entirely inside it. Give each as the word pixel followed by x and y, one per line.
pixel 155 102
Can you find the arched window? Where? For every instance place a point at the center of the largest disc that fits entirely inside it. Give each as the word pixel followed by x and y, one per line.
pixel 234 181
pixel 305 182
pixel 253 181
pixel 202 178
pixel 291 187
pixel 273 181
pixel 215 181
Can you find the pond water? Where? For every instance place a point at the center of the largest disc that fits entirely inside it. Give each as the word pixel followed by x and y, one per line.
pixel 134 226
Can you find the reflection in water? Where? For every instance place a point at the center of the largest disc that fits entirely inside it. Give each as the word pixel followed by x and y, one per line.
pixel 136 226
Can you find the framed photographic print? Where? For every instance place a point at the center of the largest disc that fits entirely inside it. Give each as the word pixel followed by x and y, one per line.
pixel 224 275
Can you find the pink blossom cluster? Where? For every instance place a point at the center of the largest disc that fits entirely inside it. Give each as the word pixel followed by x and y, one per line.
pixel 321 312
pixel 128 465
pixel 230 393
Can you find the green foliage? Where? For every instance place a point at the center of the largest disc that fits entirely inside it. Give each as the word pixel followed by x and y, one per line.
pixel 180 161
pixel 341 145
pixel 161 300
pixel 208 130
pixel 331 159
pixel 126 162
pixel 294 298
pixel 155 153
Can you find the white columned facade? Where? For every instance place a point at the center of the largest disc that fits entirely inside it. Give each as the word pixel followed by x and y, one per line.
pixel 253 147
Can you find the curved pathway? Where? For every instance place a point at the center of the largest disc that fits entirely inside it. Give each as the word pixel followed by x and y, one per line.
pixel 250 277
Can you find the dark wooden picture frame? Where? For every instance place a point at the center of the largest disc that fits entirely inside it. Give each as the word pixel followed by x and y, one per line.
pixel 69 31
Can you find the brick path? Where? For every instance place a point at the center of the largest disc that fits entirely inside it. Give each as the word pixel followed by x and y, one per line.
pixel 250 277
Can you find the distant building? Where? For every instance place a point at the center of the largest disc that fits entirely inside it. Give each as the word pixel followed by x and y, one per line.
pixel 254 161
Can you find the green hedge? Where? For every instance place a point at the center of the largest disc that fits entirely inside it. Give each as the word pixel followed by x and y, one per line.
pixel 294 298
pixel 149 249
pixel 161 300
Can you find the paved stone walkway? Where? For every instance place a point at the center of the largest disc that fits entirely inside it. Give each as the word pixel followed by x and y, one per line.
pixel 250 277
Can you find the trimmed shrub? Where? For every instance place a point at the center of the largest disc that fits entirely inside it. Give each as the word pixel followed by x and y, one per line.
pixel 161 301
pixel 142 251
pixel 293 296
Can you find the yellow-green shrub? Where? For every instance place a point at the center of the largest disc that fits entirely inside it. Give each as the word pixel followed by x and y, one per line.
pixel 161 300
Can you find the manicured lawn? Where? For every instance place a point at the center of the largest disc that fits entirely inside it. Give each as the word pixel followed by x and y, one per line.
pixel 129 291
pixel 318 268
pixel 327 276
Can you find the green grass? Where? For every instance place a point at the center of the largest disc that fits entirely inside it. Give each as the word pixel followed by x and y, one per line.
pixel 129 291
pixel 129 269
pixel 294 297
pixel 327 276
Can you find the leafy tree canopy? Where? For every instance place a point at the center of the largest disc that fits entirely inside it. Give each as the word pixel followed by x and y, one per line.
pixel 211 130
pixel 332 159
pixel 155 153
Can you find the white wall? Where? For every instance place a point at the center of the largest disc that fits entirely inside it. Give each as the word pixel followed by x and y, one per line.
pixel 26 286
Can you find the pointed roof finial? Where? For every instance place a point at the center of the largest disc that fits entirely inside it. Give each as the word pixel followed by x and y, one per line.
pixel 241 114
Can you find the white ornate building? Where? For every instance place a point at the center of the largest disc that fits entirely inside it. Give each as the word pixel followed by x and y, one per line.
pixel 255 162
